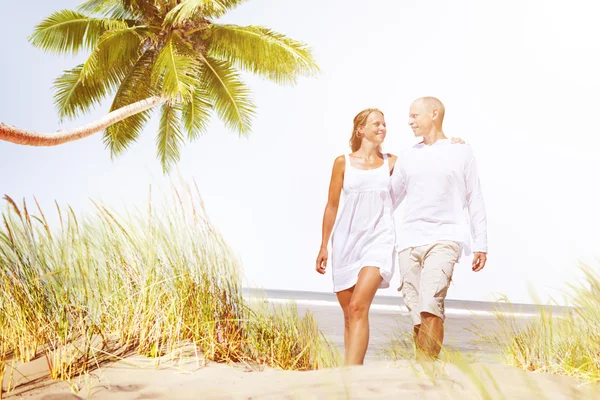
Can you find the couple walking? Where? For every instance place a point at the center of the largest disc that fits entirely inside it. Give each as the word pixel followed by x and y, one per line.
pixel 444 217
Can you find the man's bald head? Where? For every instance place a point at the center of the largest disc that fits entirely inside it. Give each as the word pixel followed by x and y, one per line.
pixel 431 104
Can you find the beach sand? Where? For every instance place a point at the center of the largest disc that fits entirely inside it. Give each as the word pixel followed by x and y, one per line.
pixel 188 376
pixel 139 378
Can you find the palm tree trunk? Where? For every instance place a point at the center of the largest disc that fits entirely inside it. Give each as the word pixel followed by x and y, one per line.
pixel 28 138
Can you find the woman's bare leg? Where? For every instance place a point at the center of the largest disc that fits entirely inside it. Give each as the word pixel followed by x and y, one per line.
pixel 344 298
pixel 369 280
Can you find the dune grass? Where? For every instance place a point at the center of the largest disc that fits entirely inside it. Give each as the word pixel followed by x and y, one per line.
pixel 562 340
pixel 102 286
pixel 567 343
pixel 402 346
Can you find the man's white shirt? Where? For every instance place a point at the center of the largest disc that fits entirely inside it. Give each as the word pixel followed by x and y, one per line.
pixel 443 197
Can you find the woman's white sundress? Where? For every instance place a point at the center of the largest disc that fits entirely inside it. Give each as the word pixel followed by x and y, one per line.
pixel 364 233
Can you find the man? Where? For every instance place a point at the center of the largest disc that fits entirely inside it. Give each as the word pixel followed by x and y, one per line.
pixel 441 186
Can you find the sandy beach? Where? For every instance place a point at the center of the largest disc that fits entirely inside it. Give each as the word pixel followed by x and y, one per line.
pixel 188 376
pixel 140 378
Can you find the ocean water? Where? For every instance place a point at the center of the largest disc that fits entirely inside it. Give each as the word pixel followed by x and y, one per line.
pixel 389 319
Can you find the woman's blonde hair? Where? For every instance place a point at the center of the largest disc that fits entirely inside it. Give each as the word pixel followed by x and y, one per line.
pixel 360 120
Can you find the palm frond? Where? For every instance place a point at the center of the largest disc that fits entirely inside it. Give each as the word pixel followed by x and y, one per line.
pixel 81 88
pixel 135 86
pixel 108 8
pixel 69 32
pixel 175 70
pixel 138 9
pixel 115 52
pixel 229 95
pixel 190 10
pixel 196 113
pixel 260 50
pixel 145 9
pixel 74 96
pixel 170 137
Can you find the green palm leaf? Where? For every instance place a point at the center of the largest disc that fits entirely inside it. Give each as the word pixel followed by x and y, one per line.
pixel 196 113
pixel 260 50
pixel 170 137
pixel 135 86
pixel 68 31
pixel 108 8
pixel 190 10
pixel 161 51
pixel 80 89
pixel 145 9
pixel 139 9
pixel 175 70
pixel 73 95
pixel 113 55
pixel 230 96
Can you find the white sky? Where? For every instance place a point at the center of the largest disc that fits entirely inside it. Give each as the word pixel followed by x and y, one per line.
pixel 519 80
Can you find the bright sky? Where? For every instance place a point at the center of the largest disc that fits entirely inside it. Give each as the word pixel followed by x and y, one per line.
pixel 519 80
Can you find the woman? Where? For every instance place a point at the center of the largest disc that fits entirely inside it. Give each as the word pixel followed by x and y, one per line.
pixel 364 236
pixel 363 240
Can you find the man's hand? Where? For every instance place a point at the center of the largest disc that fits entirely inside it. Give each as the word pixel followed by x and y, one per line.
pixel 455 140
pixel 322 261
pixel 479 260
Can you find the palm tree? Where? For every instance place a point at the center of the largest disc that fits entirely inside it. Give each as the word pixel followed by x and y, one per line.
pixel 147 53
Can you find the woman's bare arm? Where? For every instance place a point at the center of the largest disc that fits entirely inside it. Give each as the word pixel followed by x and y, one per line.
pixel 392 161
pixel 330 214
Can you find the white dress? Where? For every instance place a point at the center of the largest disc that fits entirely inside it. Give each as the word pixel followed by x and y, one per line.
pixel 364 233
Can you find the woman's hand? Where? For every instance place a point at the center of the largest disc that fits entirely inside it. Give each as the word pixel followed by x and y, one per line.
pixel 458 140
pixel 322 260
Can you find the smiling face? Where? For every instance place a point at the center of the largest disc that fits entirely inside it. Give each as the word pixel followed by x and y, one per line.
pixel 420 118
pixel 368 124
pixel 426 114
pixel 374 129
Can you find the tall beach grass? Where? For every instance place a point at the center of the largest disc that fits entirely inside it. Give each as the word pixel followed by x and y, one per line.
pixel 565 343
pixel 103 285
pixel 559 339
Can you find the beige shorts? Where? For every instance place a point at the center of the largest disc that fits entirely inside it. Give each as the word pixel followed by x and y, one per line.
pixel 425 275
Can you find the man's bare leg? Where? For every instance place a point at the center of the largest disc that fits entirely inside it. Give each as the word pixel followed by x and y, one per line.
pixel 430 337
pixel 416 338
